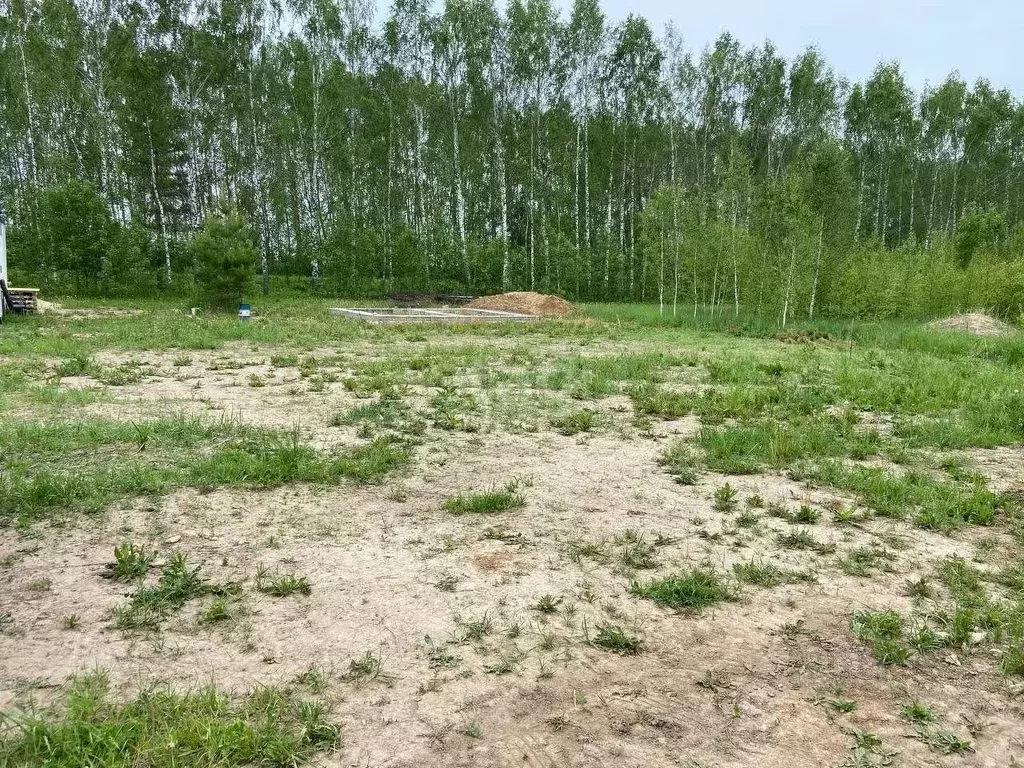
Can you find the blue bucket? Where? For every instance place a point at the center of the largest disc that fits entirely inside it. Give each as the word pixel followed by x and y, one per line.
pixel 244 312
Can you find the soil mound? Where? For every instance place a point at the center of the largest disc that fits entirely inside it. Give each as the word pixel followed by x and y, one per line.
pixel 525 302
pixel 976 323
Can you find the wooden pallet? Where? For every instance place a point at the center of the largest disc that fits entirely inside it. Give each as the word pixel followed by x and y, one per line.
pixel 21 299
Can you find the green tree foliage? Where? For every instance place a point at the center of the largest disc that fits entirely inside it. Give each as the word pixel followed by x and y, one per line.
pixel 78 243
pixel 476 146
pixel 977 229
pixel 225 258
pixel 77 234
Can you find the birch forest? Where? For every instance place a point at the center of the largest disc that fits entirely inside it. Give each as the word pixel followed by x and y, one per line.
pixel 469 147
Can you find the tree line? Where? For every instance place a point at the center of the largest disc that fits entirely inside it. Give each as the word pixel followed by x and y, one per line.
pixel 466 148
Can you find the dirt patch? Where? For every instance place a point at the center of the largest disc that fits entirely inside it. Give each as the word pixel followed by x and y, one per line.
pixel 976 323
pixel 744 684
pixel 475 671
pixel 494 561
pixel 92 312
pixel 526 302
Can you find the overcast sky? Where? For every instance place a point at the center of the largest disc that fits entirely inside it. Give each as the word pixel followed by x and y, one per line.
pixel 930 38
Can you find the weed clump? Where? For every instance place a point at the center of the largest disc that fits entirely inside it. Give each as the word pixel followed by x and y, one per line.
pixel 725 498
pixel 488 502
pixel 693 591
pixel 131 562
pixel 282 585
pixel 766 574
pixel 149 606
pixel 680 462
pixel 617 640
pixel 883 632
pixel 573 423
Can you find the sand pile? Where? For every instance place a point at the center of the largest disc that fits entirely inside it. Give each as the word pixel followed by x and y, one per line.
pixel 977 323
pixel 525 302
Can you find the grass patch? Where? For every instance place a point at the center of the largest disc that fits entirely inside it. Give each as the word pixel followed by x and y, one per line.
pixel 693 591
pixel 149 606
pixel 932 503
pixel 367 668
pixel 805 540
pixel 883 633
pixel 371 463
pixel 680 461
pixel 389 412
pixel 488 502
pixel 471 730
pixel 637 553
pixel 864 560
pixel 282 585
pixel 547 604
pixel 575 422
pixel 916 712
pixel 218 610
pixel 577 551
pixel 767 575
pixel 963 581
pixel 61 468
pixel 749 448
pixel 474 630
pixel 164 729
pixel 944 742
pixel 651 400
pixel 616 640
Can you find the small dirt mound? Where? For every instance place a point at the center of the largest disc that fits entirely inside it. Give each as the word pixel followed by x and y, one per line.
pixel 976 323
pixel 525 302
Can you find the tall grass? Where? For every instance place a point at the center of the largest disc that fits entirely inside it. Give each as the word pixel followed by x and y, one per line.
pixel 930 502
pixel 64 467
pixel 161 728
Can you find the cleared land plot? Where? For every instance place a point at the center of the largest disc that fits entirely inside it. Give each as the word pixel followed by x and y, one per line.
pixel 563 543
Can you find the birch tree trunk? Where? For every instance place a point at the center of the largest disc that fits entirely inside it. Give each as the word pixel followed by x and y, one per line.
pixel 860 204
pixel 789 286
pixel 159 208
pixel 419 194
pixel 661 271
pixel 531 221
pixel 460 200
pixel 586 187
pixel 506 266
pixel 675 214
pixel 913 190
pixel 608 233
pixel 33 160
pixel 257 175
pixel 931 208
pixel 735 260
pixel 817 266
pixel 577 224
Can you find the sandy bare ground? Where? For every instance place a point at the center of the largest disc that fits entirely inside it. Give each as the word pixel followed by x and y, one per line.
pixel 744 684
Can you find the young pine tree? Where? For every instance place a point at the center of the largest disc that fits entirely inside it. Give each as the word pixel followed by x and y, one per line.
pixel 225 258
